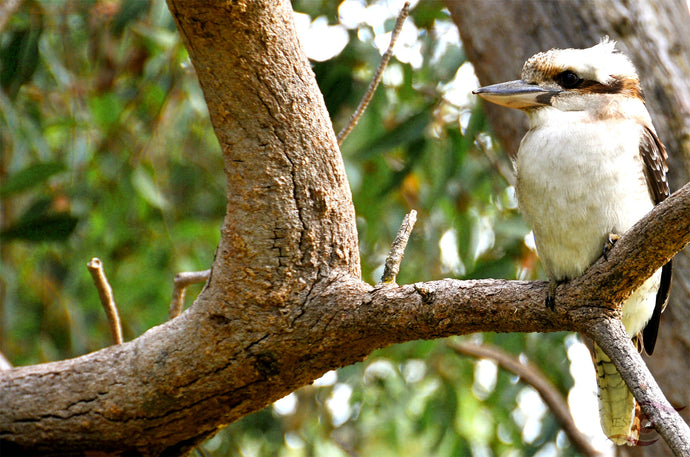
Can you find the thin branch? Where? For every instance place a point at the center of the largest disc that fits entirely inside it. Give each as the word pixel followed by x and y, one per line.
pixel 180 283
pixel 377 76
pixel 532 375
pixel 392 265
pixel 105 292
pixel 610 335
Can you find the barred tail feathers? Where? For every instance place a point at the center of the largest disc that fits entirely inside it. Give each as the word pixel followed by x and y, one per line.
pixel 616 403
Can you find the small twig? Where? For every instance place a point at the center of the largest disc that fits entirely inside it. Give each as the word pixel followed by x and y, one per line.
pixel 377 76
pixel 392 265
pixel 532 375
pixel 105 292
pixel 180 283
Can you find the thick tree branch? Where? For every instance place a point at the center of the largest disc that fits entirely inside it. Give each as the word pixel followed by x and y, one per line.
pixel 159 380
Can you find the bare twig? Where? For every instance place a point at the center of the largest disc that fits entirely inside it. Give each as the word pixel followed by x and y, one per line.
pixel 105 292
pixel 392 265
pixel 180 283
pixel 377 76
pixel 533 376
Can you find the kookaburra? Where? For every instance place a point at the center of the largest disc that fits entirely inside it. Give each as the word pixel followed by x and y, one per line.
pixel 590 166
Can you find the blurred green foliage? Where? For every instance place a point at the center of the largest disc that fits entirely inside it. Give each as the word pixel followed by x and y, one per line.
pixel 106 150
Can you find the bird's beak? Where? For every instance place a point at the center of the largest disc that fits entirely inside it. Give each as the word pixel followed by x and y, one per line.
pixel 517 94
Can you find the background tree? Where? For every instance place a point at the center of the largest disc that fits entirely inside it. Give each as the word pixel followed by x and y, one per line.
pixel 126 119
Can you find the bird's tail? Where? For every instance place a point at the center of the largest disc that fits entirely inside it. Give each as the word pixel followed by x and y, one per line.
pixel 616 403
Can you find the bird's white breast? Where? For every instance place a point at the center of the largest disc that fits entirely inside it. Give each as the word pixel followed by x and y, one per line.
pixel 578 180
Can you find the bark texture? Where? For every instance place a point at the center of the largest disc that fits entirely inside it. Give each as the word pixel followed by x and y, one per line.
pixel 499 36
pixel 285 302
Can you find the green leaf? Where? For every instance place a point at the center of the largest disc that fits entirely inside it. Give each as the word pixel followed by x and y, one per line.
pixel 29 177
pixel 409 130
pixel 49 227
pixel 19 59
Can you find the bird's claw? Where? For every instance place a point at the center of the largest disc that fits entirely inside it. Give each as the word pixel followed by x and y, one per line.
pixel 550 301
pixel 609 243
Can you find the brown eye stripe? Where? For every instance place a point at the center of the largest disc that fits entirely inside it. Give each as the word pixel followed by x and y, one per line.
pixel 618 86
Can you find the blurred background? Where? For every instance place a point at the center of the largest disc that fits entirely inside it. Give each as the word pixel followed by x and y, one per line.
pixel 106 150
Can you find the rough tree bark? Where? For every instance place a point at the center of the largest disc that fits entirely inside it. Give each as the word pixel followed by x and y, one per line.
pixel 499 36
pixel 285 302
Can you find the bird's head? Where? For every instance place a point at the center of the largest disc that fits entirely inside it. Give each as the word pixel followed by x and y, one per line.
pixel 588 80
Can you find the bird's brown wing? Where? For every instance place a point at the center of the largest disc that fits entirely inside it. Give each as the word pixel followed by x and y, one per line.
pixel 654 157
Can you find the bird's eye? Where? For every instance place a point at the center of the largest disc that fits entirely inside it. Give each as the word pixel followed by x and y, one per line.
pixel 568 80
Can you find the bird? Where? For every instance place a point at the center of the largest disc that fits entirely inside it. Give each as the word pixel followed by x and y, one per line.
pixel 588 168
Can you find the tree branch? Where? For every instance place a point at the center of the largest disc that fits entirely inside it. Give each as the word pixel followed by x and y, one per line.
pixel 610 335
pixel 181 281
pixel 156 379
pixel 532 375
pixel 105 293
pixel 352 122
pixel 395 256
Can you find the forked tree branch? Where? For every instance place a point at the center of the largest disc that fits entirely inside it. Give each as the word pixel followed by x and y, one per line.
pixel 160 379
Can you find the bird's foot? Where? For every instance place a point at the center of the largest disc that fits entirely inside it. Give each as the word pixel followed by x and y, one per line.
pixel 550 301
pixel 609 243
